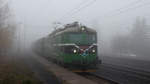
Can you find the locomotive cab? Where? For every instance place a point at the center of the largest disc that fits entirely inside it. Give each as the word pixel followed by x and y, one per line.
pixel 79 47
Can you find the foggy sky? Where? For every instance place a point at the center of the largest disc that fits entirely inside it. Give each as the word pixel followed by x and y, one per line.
pixel 35 17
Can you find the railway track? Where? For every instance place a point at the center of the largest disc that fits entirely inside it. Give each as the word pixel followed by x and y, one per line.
pixel 96 78
pixel 139 72
pixel 113 74
pixel 122 75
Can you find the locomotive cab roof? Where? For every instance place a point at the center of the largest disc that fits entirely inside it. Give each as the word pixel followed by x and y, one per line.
pixel 72 28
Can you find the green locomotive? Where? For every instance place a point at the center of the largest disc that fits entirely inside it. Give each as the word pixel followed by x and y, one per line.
pixel 74 46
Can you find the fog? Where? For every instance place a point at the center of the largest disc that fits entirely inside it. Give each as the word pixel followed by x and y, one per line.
pixel 111 18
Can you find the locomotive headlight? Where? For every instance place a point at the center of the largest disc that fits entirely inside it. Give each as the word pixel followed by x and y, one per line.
pixel 75 51
pixel 82 28
pixel 93 50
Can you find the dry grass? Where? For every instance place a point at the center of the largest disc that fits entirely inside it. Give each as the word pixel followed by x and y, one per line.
pixel 14 71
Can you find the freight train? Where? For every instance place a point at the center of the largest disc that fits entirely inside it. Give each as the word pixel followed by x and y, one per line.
pixel 74 47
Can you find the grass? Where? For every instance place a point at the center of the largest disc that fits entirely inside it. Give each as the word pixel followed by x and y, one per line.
pixel 14 71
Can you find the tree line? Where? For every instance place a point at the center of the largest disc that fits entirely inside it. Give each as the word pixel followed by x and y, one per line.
pixel 7 28
pixel 137 42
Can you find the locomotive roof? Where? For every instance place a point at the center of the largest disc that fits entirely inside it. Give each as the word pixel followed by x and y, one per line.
pixel 72 28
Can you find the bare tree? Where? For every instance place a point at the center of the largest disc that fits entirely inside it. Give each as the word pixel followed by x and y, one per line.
pixel 6 27
pixel 137 42
pixel 139 34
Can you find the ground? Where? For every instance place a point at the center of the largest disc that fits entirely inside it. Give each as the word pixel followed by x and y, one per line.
pixel 14 71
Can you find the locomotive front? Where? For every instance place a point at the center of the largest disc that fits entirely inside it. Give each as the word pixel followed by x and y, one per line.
pixel 80 47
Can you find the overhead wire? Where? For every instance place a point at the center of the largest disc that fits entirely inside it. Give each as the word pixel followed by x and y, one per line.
pixel 129 9
pixel 116 12
pixel 78 8
pixel 87 5
pixel 126 8
pixel 73 9
pixel 130 4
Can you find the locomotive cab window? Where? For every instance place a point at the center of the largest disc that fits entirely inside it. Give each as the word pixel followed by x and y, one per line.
pixel 82 38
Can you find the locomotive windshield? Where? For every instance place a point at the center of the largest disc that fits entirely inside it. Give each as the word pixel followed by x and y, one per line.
pixel 82 38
